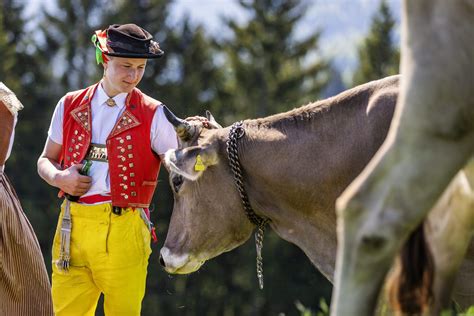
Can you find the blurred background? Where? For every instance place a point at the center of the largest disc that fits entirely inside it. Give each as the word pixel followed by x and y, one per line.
pixel 238 59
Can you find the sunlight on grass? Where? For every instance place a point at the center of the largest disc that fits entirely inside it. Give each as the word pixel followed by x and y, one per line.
pixel 305 311
pixel 324 310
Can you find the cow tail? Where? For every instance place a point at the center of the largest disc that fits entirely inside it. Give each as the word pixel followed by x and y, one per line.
pixel 410 286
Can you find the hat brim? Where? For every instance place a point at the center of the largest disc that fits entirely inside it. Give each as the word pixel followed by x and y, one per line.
pixel 131 55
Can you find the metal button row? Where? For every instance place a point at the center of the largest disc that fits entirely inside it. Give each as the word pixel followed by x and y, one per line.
pixel 76 147
pixel 122 149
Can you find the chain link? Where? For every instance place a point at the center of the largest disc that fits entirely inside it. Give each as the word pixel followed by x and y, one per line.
pixel 259 245
pixel 236 132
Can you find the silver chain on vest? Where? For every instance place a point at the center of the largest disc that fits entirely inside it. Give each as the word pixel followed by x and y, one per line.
pixel 236 132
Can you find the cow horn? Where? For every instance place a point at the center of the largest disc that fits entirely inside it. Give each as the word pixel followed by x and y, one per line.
pixel 184 130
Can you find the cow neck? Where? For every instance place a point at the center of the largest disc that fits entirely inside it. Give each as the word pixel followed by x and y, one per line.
pixel 237 131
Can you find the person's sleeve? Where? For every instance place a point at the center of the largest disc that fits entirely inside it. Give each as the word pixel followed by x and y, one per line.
pixel 55 132
pixel 163 135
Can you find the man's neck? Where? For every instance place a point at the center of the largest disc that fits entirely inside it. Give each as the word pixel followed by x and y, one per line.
pixel 108 90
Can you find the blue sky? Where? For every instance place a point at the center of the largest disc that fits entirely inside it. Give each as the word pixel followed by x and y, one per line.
pixel 343 23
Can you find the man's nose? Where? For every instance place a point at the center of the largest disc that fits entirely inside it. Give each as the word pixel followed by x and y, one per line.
pixel 133 74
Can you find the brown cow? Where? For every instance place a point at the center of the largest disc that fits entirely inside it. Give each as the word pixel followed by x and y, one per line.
pixel 296 164
pixel 431 139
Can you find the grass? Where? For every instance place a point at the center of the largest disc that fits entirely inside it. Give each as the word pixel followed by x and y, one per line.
pixel 324 310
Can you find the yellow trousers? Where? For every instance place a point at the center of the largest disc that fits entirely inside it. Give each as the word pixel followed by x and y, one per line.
pixel 109 255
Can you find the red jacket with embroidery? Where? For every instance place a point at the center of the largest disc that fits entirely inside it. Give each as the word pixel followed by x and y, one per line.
pixel 133 166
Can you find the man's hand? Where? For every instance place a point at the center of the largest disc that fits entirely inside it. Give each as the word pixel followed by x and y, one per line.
pixel 200 119
pixel 72 182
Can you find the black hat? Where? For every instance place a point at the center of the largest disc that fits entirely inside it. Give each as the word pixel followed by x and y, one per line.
pixel 126 40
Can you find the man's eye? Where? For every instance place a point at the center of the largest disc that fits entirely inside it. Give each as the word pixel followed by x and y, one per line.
pixel 177 181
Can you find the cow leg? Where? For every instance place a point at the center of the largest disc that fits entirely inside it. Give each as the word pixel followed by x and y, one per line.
pixel 449 228
pixel 379 218
pixel 463 293
pixel 430 140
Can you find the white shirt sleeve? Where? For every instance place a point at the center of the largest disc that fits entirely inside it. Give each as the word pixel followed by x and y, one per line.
pixel 163 135
pixel 55 132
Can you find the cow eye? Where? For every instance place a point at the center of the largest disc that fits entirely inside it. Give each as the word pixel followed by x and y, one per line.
pixel 177 181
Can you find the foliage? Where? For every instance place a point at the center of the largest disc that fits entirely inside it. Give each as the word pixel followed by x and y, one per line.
pixel 378 56
pixel 324 308
pixel 71 48
pixel 457 310
pixel 470 311
pixel 269 71
pixel 305 311
pixel 10 32
pixel 191 79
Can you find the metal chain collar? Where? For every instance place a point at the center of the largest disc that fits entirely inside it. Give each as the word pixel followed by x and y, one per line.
pixel 236 132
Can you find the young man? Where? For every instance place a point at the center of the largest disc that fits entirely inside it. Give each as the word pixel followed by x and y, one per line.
pixel 102 243
pixel 24 284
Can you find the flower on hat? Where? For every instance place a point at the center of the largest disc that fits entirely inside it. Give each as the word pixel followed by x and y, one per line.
pixel 99 39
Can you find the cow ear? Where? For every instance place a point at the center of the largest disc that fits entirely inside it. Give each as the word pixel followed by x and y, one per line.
pixel 206 157
pixel 191 162
pixel 212 120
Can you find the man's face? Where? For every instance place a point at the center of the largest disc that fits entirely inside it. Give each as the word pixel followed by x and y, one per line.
pixel 123 74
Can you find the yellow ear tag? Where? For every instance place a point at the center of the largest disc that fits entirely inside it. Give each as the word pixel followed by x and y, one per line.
pixel 199 166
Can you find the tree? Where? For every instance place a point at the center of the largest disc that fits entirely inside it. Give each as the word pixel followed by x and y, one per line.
pixel 335 83
pixel 67 32
pixel 190 79
pixel 269 70
pixel 11 34
pixel 378 56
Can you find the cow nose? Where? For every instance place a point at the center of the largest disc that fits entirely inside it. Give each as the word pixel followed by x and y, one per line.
pixel 162 261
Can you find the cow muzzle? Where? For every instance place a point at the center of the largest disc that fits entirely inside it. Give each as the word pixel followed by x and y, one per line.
pixel 178 264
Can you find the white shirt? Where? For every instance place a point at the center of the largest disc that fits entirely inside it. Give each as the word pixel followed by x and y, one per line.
pixel 104 117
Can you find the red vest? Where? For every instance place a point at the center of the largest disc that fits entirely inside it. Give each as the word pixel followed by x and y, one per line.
pixel 133 166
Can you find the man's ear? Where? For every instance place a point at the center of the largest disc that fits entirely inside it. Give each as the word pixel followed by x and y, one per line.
pixel 191 162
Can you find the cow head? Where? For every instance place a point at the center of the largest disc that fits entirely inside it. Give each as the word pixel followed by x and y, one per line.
pixel 208 218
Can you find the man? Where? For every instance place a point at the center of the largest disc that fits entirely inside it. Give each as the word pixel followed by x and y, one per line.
pixel 24 284
pixel 102 243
